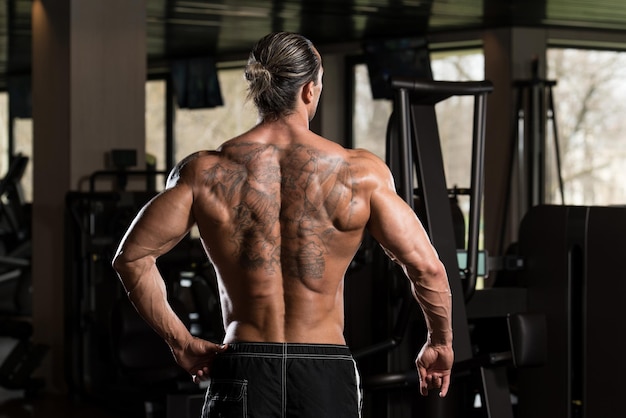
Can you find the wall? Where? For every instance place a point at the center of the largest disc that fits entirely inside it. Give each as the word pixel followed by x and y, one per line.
pixel 88 98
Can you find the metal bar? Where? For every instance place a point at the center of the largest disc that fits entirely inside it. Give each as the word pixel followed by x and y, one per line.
pixel 450 88
pixel 496 392
pixel 170 115
pixel 557 150
pixel 404 125
pixel 476 187
pixel 439 224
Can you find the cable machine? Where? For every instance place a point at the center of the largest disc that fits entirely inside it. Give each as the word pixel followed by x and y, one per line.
pixel 534 111
pixel 414 150
pixel 420 150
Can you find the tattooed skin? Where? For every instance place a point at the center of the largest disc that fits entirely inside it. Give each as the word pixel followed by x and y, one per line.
pixel 285 205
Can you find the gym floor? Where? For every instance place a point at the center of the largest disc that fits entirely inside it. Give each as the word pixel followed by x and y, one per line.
pixel 13 404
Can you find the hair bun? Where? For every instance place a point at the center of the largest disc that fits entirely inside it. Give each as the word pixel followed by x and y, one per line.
pixel 257 73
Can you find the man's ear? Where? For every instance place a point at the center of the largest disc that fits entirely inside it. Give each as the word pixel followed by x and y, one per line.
pixel 307 92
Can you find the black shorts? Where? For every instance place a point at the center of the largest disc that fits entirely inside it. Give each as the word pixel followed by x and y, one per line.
pixel 283 380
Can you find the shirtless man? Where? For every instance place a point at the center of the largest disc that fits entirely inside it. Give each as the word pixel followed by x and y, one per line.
pixel 281 212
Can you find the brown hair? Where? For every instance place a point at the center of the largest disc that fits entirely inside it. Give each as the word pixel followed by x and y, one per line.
pixel 279 64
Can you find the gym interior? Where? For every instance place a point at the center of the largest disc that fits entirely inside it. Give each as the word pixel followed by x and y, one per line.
pixel 502 122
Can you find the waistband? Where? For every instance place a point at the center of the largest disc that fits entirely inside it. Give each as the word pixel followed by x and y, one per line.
pixel 288 349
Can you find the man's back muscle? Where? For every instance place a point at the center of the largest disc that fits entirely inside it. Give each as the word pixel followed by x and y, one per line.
pixel 272 216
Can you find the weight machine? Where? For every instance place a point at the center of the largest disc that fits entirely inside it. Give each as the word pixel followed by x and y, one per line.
pixel 111 352
pixel 16 284
pixel 413 150
pixel 534 111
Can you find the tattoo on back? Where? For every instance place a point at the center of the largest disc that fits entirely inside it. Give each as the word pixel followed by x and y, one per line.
pixel 285 204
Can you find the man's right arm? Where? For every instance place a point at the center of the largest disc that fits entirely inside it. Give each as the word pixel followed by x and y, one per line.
pixel 157 228
pixel 397 229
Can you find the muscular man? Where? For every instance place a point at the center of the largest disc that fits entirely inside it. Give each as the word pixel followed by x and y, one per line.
pixel 281 212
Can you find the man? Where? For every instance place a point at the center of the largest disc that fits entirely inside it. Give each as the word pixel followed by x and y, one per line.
pixel 281 212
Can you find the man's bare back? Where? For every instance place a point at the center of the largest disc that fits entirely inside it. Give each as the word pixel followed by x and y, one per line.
pixel 281 212
pixel 281 215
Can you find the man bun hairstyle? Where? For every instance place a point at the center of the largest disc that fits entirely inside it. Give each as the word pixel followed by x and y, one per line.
pixel 279 64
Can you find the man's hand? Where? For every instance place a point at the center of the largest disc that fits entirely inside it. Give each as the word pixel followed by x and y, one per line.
pixel 434 365
pixel 197 356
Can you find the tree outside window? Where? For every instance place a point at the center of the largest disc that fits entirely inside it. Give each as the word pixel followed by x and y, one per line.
pixel 590 108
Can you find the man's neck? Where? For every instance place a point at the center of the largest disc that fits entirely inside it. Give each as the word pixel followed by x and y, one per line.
pixel 294 120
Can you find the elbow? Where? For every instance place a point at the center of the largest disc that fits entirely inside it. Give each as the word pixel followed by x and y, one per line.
pixel 122 269
pixel 435 270
pixel 428 273
pixel 130 271
pixel 126 267
pixel 118 263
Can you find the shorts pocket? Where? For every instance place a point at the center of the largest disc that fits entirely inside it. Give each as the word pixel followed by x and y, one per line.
pixel 226 398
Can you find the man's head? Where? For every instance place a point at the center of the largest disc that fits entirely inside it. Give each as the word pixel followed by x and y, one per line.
pixel 278 66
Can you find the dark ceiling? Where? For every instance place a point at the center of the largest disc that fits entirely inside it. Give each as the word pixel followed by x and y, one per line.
pixel 226 28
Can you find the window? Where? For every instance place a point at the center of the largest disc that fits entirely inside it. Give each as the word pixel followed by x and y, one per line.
pixel 590 108
pixel 4 134
pixel 23 143
pixel 454 115
pixel 197 129
pixel 369 116
pixel 23 137
pixel 207 129
pixel 155 122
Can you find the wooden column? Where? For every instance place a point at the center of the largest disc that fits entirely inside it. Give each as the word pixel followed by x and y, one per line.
pixel 509 54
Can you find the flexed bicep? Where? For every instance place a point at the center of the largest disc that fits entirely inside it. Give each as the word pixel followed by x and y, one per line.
pixel 165 219
pixel 158 226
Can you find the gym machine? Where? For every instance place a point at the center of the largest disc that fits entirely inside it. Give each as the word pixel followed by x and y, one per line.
pixel 413 150
pixel 562 354
pixel 16 285
pixel 575 275
pixel 111 352
pixel 534 111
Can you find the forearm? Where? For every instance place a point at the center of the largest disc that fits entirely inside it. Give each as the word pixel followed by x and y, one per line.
pixel 432 292
pixel 146 290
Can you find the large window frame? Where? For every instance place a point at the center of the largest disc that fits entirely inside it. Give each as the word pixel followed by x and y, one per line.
pixel 588 103
pixel 556 39
pixel 454 136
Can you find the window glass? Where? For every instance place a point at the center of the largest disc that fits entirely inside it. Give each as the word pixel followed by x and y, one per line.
pixel 4 133
pixel 590 108
pixel 23 136
pixel 23 143
pixel 206 129
pixel 369 117
pixel 454 115
pixel 454 120
pixel 155 122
